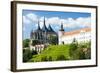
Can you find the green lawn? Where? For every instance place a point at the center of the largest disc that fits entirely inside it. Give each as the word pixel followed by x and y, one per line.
pixel 73 51
pixel 52 53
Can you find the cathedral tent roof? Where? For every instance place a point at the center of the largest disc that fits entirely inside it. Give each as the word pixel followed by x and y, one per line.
pixel 38 29
pixel 44 28
pixel 50 29
pixel 31 34
pixel 38 26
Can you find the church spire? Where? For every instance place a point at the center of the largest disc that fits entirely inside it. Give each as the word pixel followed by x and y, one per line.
pixel 44 28
pixel 44 21
pixel 61 29
pixel 50 28
pixel 39 25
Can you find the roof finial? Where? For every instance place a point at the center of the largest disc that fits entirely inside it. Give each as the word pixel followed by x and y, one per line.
pixel 44 28
pixel 38 24
pixel 61 29
pixel 44 21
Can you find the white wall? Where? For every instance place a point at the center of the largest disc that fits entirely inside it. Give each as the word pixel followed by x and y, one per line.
pixel 5 38
pixel 81 37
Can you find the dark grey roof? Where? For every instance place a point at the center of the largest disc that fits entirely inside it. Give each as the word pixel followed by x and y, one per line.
pixel 44 28
pixel 50 29
pixel 38 29
pixel 61 29
pixel 39 26
pixel 31 34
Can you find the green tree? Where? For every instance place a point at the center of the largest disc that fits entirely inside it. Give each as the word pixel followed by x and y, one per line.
pixel 81 54
pixel 26 43
pixel 35 42
pixel 88 52
pixel 89 44
pixel 50 58
pixel 27 54
pixel 73 49
pixel 53 39
pixel 44 58
pixel 60 57
pixel 84 50
pixel 34 52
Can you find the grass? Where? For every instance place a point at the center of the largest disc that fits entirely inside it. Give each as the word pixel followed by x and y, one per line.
pixel 72 51
pixel 52 53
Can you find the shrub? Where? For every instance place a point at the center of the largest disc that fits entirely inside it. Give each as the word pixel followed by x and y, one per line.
pixel 27 54
pixel 35 42
pixel 26 43
pixel 60 57
pixel 81 54
pixel 84 50
pixel 34 52
pixel 88 54
pixel 44 58
pixel 50 58
pixel 73 47
pixel 53 40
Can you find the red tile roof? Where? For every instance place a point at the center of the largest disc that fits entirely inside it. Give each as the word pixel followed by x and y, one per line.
pixel 77 31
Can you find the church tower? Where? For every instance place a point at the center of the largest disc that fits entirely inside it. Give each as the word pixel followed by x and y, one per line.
pixel 61 33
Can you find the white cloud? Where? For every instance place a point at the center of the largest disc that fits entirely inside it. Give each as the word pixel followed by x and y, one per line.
pixel 87 22
pixel 41 19
pixel 68 22
pixel 32 17
pixel 64 21
pixel 25 20
pixel 54 20
pixel 24 29
pixel 79 22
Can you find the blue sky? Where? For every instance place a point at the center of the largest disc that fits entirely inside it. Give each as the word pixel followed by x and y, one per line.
pixel 70 20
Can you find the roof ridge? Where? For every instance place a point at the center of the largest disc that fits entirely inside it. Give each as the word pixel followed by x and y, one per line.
pixel 77 31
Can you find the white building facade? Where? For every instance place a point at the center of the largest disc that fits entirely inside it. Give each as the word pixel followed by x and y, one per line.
pixel 81 35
